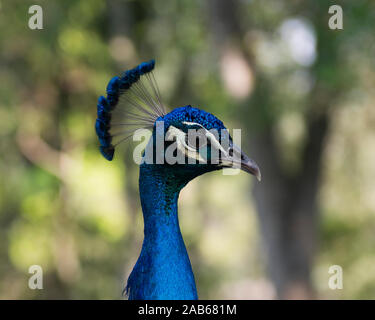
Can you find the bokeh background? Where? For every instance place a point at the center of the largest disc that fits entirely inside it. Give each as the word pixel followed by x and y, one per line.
pixel 303 95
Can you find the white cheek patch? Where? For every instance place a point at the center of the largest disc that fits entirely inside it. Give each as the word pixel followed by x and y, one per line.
pixel 177 135
pixel 210 136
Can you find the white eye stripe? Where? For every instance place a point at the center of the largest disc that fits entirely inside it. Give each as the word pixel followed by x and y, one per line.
pixel 179 136
pixel 174 133
pixel 209 135
pixel 193 124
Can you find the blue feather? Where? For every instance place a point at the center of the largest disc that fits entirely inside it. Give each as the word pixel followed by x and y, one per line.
pixel 107 152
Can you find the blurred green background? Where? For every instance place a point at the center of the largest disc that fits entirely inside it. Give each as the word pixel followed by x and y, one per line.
pixel 302 93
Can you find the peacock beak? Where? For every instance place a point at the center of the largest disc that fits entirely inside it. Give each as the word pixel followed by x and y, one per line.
pixel 238 159
pixel 249 165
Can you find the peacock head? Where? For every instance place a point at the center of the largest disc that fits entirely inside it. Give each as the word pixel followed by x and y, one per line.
pixel 186 141
pixel 191 141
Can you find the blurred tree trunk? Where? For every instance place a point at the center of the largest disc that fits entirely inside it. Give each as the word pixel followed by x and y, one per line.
pixel 286 204
pixel 287 211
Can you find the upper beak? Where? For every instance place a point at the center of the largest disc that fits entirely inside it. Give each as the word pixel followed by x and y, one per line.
pixel 250 166
pixel 238 159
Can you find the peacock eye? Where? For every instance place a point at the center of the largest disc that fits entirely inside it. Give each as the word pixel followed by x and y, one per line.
pixel 196 139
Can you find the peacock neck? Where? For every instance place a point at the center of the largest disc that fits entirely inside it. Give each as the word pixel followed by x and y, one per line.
pixel 163 270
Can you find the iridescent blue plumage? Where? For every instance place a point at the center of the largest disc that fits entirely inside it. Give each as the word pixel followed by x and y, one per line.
pixel 191 114
pixel 163 269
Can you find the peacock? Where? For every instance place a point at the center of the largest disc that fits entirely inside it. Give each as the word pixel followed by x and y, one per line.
pixel 182 144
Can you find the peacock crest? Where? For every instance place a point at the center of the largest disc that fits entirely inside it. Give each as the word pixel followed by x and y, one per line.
pixel 133 101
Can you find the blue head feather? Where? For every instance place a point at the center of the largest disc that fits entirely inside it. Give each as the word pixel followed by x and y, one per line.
pixel 191 114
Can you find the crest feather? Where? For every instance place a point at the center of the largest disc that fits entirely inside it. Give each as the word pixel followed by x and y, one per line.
pixel 133 101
